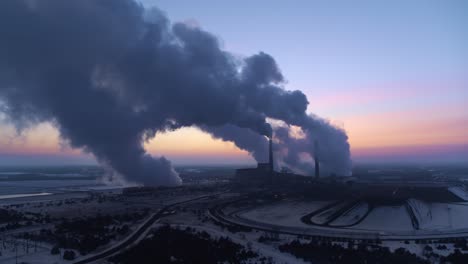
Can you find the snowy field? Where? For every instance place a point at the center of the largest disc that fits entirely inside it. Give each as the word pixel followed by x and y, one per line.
pixel 325 216
pixel 352 215
pixel 432 217
pixel 287 213
pixel 460 192
pixel 440 216
pixel 387 218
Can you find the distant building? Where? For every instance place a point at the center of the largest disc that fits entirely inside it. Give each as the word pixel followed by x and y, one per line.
pixel 262 174
pixel 259 175
pixel 265 174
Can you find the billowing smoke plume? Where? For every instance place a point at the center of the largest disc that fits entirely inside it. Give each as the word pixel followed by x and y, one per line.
pixel 110 74
pixel 295 146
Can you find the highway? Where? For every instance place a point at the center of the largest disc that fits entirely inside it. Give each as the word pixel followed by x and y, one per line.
pixel 234 219
pixel 136 235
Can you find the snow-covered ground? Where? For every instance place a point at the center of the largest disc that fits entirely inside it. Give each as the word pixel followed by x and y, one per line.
pixel 457 215
pixel 352 215
pixel 70 205
pixel 440 216
pixel 17 251
pixel 422 212
pixel 460 192
pixel 387 218
pixel 249 240
pixel 324 216
pixel 432 217
pixel 287 213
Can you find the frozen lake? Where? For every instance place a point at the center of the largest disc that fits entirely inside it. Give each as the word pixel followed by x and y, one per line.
pixel 27 181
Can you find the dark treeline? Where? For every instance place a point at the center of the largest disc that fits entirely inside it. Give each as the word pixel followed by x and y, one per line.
pixel 87 234
pixel 327 253
pixel 169 245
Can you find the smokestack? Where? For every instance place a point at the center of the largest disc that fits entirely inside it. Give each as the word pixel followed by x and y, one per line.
pixel 317 168
pixel 317 164
pixel 271 154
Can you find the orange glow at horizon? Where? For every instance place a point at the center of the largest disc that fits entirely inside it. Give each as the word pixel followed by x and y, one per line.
pixel 185 142
pixel 406 128
pixel 41 139
pixel 190 141
pixel 389 132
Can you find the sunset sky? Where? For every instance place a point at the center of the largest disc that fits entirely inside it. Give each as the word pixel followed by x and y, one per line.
pixel 393 74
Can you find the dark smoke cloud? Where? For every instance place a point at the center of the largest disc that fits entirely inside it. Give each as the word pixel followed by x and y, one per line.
pixel 295 147
pixel 317 139
pixel 243 138
pixel 109 74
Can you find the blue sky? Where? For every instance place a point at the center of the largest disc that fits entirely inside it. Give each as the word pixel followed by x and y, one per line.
pixel 331 44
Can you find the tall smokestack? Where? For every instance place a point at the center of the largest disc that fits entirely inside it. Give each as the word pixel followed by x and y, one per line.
pixel 317 163
pixel 271 153
pixel 317 168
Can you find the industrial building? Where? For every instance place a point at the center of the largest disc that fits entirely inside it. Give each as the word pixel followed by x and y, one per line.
pixel 264 173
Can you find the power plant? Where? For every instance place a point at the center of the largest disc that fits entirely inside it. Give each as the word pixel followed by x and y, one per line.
pixel 265 173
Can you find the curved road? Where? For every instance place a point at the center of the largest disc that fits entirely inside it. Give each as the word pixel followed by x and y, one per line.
pixel 134 237
pixel 217 214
